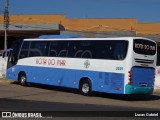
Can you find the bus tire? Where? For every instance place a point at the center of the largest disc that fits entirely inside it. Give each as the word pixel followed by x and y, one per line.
pixel 23 79
pixel 85 87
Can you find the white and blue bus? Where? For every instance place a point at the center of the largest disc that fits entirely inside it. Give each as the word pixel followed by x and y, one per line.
pixel 122 65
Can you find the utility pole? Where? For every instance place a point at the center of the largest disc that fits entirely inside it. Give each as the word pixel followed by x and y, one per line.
pixel 6 23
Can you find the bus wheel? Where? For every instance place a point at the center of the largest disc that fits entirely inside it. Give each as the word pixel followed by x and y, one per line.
pixel 85 87
pixel 23 79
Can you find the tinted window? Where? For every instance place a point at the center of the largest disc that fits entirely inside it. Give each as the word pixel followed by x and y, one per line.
pixel 53 49
pixel 80 49
pixel 158 55
pixel 96 49
pixel 58 49
pixel 120 50
pixel 115 50
pixel 144 47
pixel 16 46
pixel 38 48
pixel 25 45
pixel 24 50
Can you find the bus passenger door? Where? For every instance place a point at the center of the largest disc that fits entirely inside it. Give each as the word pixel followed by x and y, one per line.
pixel 12 61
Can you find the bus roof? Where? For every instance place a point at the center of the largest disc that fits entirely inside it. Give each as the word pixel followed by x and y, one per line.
pixel 56 36
pixel 70 38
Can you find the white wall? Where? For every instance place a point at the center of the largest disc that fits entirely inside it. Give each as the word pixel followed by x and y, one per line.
pixel 3 66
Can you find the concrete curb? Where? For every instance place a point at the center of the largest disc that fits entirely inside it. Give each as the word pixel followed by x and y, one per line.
pixel 3 80
pixel 156 91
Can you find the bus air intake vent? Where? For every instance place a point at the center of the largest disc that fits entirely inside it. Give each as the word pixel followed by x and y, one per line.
pixel 144 61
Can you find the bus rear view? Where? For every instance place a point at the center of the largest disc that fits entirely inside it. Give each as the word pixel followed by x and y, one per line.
pixel 142 73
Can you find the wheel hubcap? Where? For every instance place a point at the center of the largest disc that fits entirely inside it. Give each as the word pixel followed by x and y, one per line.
pixel 85 88
pixel 23 79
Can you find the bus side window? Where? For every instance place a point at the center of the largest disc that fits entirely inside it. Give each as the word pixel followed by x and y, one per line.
pixel 74 50
pixel 38 48
pixel 63 53
pixel 16 46
pixel 86 54
pixel 120 51
pixel 58 49
pixel 158 55
pixel 52 53
pixel 78 54
pixel 86 46
pixel 23 54
pixel 35 52
pixel 24 50
pixel 62 48
pixel 53 49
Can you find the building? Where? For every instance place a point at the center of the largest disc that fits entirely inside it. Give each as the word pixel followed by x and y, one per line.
pixel 29 26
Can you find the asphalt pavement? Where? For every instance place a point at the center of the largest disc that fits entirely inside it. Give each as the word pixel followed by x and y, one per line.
pixel 14 97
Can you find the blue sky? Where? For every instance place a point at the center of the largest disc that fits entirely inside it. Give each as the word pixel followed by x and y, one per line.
pixel 143 10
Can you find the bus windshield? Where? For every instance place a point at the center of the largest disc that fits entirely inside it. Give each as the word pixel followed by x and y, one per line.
pixel 144 47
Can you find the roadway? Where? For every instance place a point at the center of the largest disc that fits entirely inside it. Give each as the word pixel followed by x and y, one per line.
pixel 14 97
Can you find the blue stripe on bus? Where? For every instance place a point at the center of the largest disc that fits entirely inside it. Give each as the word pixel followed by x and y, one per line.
pixel 101 81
